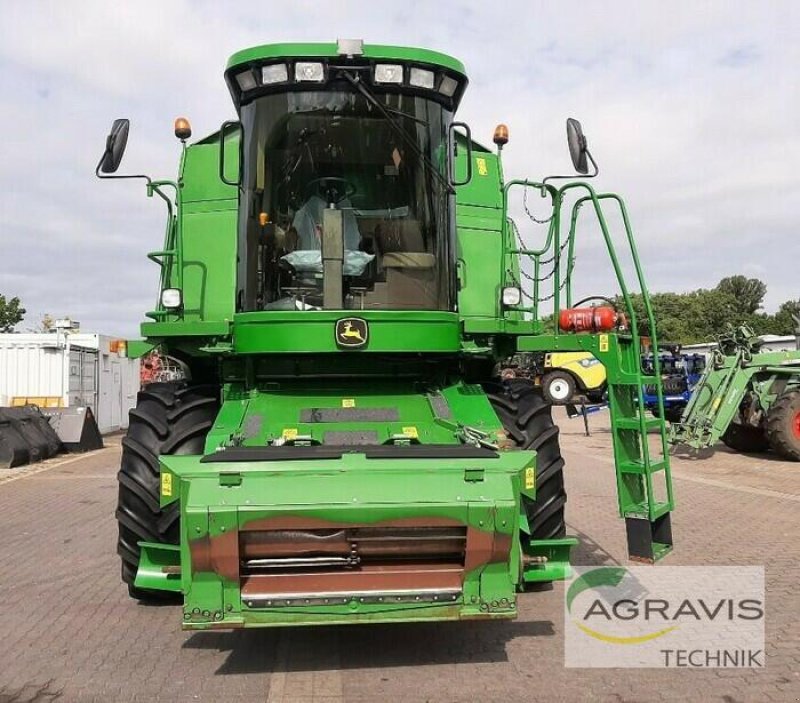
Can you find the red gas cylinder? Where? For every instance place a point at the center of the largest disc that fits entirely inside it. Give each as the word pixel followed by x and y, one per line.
pixel 599 319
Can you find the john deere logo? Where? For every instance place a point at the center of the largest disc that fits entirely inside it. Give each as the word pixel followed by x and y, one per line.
pixel 352 332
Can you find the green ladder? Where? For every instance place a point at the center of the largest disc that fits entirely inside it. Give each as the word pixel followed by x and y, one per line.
pixel 644 480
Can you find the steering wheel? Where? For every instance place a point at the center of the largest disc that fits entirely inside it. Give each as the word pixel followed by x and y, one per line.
pixel 333 189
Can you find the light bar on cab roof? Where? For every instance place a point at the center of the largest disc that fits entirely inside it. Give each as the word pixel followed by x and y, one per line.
pixel 246 80
pixel 278 74
pixel 388 73
pixel 421 78
pixel 312 71
pixel 448 86
pixel 274 73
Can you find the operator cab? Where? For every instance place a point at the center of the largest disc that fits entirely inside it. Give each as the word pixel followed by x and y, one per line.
pixel 345 201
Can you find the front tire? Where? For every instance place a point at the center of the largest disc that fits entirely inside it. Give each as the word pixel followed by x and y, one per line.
pixel 783 426
pixel 527 418
pixel 673 414
pixel 747 439
pixel 558 387
pixel 169 418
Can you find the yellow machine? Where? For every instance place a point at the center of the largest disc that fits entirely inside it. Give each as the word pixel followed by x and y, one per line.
pixel 567 374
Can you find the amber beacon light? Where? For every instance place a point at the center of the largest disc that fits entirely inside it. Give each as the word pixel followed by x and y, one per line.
pixel 183 130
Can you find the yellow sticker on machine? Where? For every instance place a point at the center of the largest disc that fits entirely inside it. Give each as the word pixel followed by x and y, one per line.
pixel 603 342
pixel 290 433
pixel 483 169
pixel 166 484
pixel 348 402
pixel 530 478
pixel 411 432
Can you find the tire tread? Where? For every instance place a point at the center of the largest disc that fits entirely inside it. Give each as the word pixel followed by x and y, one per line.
pixel 527 419
pixel 169 418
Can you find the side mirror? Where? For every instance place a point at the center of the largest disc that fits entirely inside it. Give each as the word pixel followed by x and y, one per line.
pixel 577 146
pixel 579 151
pixel 115 146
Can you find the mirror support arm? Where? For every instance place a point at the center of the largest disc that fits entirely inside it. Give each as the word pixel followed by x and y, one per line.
pixel 581 175
pixel 152 186
pixel 100 174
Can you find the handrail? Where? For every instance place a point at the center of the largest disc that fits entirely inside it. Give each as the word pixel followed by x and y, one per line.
pixel 170 258
pixel 534 254
pixel 646 302
pixel 630 360
pixel 553 241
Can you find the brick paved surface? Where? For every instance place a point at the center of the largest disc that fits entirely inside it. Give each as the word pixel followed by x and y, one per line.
pixel 70 633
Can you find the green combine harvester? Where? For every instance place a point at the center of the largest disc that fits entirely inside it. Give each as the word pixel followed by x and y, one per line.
pixel 339 281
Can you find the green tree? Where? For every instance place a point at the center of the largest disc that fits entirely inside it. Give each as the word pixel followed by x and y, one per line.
pixel 748 292
pixel 11 313
pixel 784 318
pixel 48 323
pixel 685 318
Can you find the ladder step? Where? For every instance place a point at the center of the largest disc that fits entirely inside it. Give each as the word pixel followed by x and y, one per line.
pixel 641 510
pixel 633 423
pixel 636 467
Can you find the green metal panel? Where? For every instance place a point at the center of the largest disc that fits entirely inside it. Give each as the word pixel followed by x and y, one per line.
pixel 313 331
pixel 200 175
pixel 208 230
pixel 137 348
pixel 159 567
pixel 480 255
pixel 479 218
pixel 259 418
pixel 212 328
pixel 209 263
pixel 486 187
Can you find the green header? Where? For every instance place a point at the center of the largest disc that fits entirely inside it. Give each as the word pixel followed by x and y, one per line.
pixel 329 50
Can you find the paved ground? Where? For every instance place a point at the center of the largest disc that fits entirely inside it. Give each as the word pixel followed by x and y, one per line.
pixel 70 633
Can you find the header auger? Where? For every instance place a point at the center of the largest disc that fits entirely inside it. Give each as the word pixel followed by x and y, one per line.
pixel 340 279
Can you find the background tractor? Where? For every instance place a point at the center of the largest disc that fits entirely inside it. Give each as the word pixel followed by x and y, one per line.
pixel 566 373
pixel 564 377
pixel 747 398
pixel 680 373
pixel 339 281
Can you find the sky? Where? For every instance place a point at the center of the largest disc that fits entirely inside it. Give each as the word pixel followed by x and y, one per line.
pixel 691 110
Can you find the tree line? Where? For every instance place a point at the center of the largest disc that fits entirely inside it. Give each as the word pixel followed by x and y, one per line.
pixel 12 313
pixel 700 315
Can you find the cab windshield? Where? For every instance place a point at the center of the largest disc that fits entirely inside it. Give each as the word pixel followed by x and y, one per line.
pixel 336 187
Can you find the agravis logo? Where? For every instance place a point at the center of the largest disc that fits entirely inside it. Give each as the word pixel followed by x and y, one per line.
pixel 606 576
pixel 663 616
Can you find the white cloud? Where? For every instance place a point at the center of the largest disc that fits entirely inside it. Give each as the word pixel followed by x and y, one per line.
pixel 690 110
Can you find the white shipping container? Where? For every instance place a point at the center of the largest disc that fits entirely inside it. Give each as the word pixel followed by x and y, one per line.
pixel 77 368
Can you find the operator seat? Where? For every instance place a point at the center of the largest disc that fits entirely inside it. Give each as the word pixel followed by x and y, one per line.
pixel 310 217
pixel 411 281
